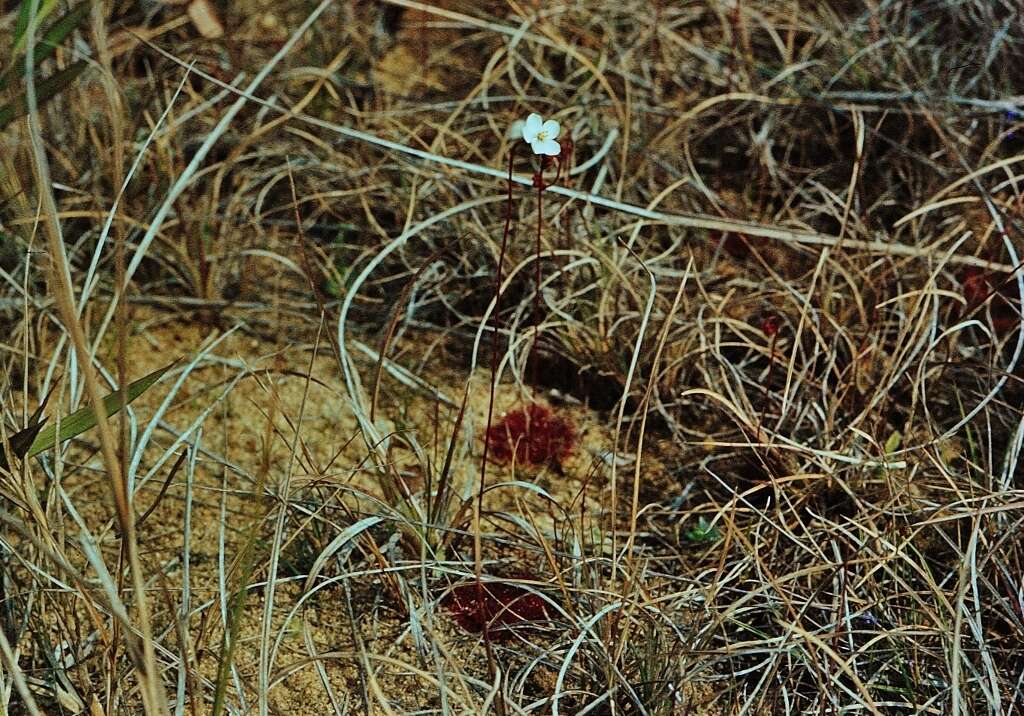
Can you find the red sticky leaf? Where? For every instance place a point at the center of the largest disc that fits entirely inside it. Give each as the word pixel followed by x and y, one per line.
pixel 496 606
pixel 980 286
pixel 771 325
pixel 533 436
pixel 977 285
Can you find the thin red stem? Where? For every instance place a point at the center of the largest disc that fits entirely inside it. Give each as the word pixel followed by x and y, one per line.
pixel 496 327
pixel 767 383
pixel 536 296
pixel 539 181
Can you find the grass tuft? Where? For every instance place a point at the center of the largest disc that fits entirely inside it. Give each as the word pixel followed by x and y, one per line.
pixel 718 413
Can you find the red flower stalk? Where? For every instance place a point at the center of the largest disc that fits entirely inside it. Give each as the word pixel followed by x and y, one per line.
pixel 770 327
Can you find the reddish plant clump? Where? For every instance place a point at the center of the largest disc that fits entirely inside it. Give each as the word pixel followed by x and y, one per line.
pixel 496 606
pixel 976 285
pixel 533 435
pixel 979 286
pixel 771 325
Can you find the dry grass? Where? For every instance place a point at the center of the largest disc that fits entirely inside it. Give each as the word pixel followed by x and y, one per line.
pixel 777 301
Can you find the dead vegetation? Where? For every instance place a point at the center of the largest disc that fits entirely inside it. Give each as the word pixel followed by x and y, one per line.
pixel 778 314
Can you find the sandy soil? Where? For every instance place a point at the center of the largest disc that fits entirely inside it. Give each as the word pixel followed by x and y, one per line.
pixel 330 488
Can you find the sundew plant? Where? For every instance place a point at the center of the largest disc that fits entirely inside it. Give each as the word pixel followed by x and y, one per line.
pixel 511 357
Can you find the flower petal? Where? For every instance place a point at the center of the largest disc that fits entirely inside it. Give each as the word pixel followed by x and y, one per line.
pixel 551 128
pixel 532 127
pixel 546 146
pixel 515 131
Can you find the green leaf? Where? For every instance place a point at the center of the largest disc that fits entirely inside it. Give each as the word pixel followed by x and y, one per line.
pixel 50 40
pixel 702 533
pixel 19 443
pixel 84 419
pixel 45 8
pixel 45 91
pixel 21 26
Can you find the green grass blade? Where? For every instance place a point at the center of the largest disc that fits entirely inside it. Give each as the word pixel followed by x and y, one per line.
pixel 60 29
pixel 45 91
pixel 50 40
pixel 84 419
pixel 45 8
pixel 21 26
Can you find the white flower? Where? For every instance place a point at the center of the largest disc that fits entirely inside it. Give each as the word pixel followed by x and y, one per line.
pixel 541 135
pixel 515 130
